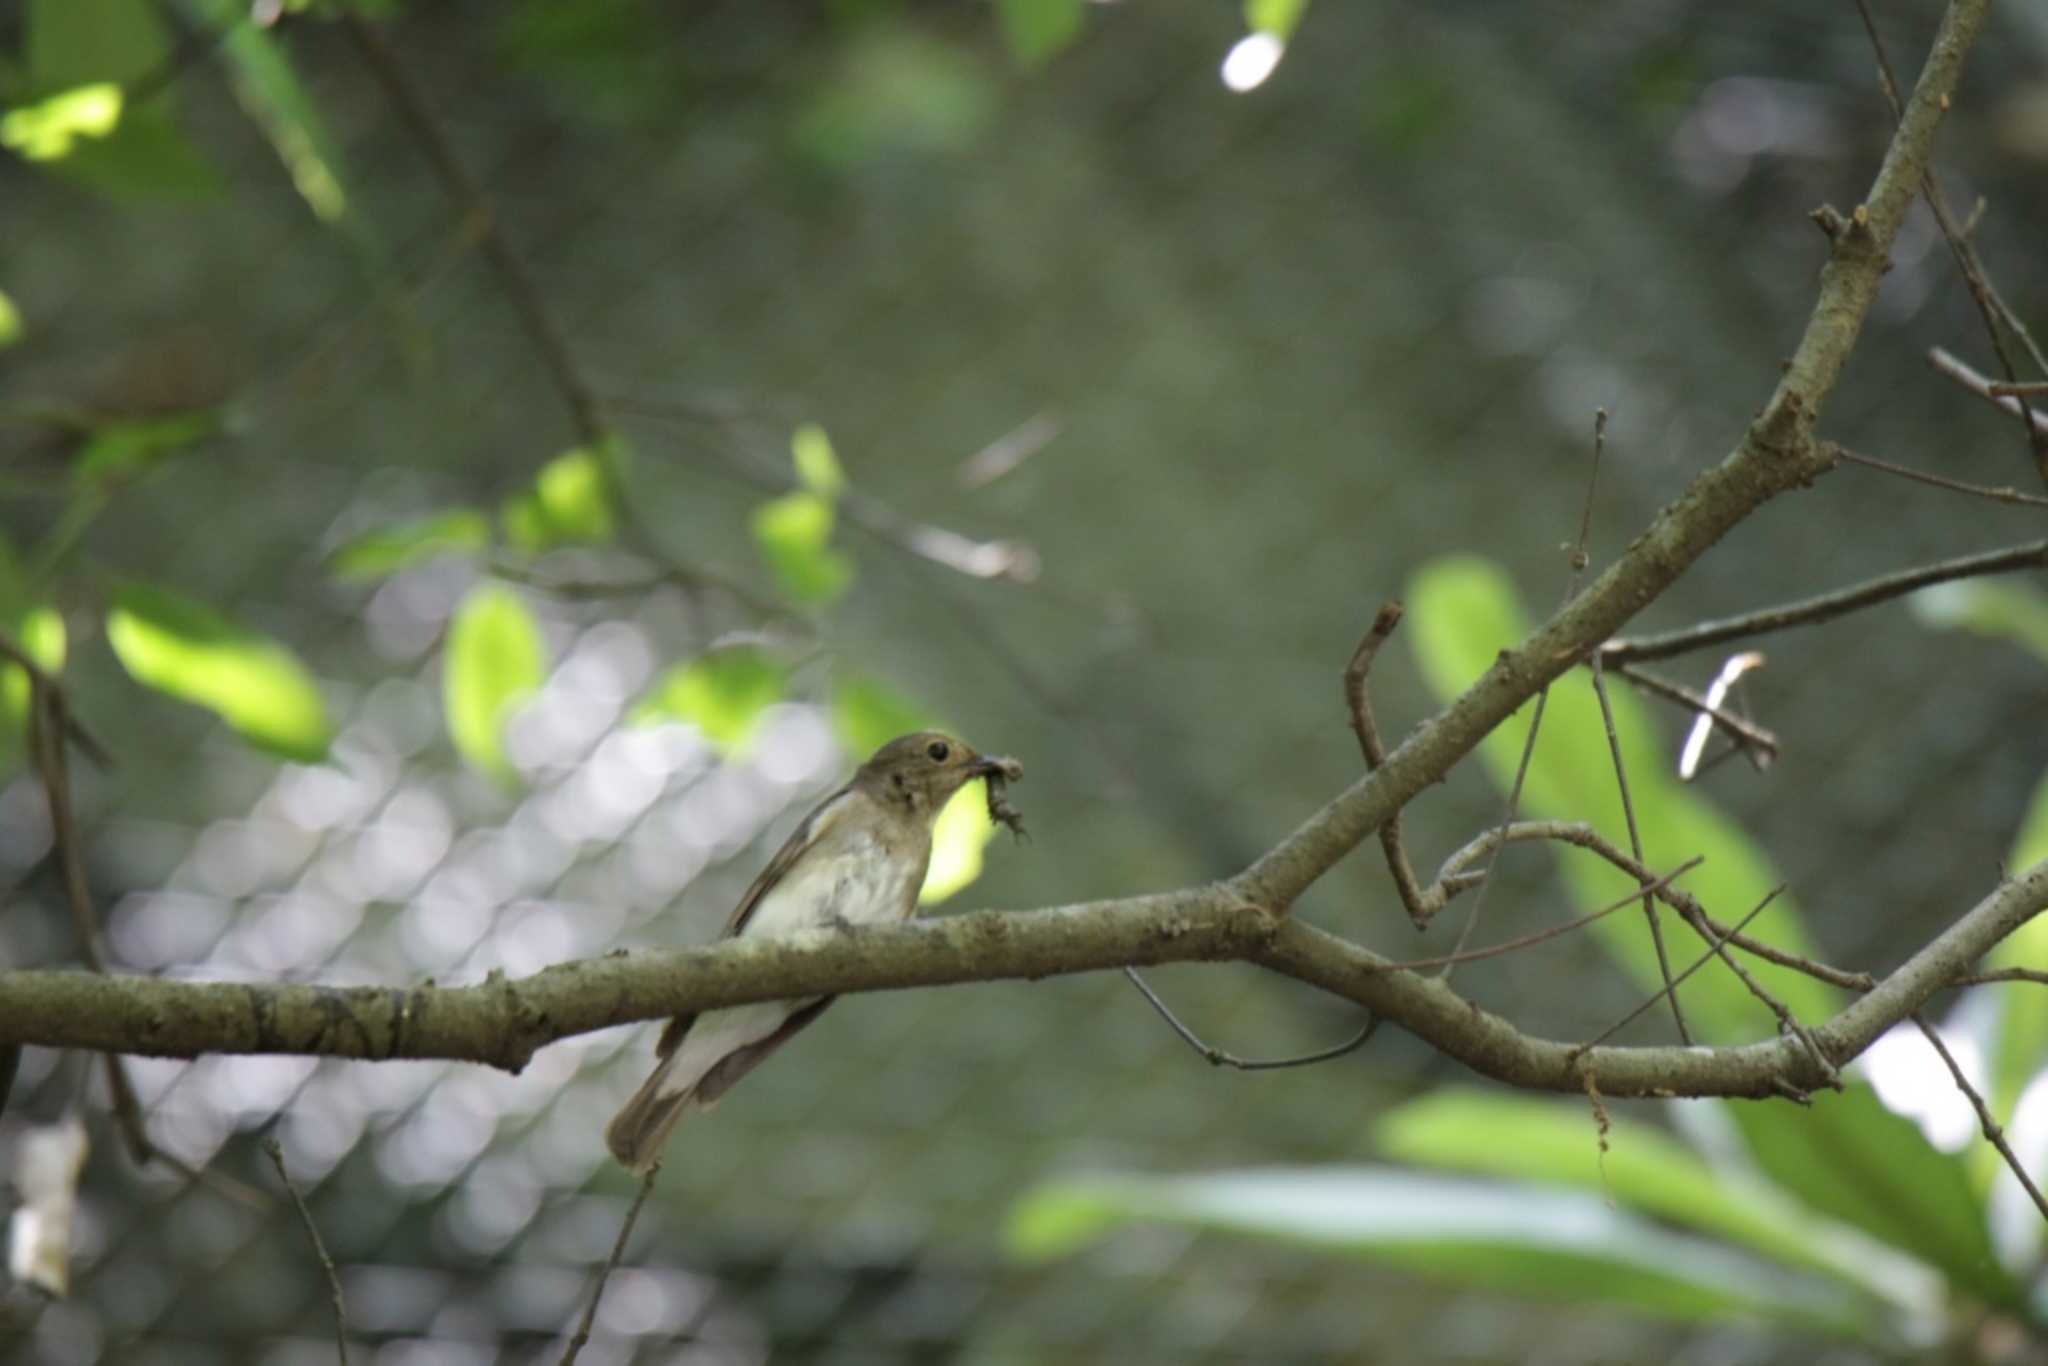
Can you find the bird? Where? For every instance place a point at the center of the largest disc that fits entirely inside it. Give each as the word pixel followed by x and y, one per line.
pixel 859 858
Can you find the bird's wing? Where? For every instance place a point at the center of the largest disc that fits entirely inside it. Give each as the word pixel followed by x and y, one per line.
pixel 813 827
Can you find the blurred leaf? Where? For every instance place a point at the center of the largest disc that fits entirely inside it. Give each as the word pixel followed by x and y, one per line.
pixel 1848 1156
pixel 795 534
pixel 386 550
pixel 895 91
pixel 191 652
pixel 1277 17
pixel 271 94
pixel 959 836
pixel 868 714
pixel 70 42
pixel 1038 30
pixel 817 464
pixel 1463 612
pixel 40 633
pixel 569 503
pixel 1643 1168
pixel 604 59
pixel 148 156
pixel 122 450
pixel 10 320
pixel 49 128
pixel 1543 1244
pixel 495 661
pixel 2011 610
pixel 722 694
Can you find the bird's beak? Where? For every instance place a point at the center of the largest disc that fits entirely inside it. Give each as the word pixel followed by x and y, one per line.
pixel 997 766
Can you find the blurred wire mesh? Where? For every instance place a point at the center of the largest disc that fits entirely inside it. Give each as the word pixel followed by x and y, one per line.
pixel 1296 342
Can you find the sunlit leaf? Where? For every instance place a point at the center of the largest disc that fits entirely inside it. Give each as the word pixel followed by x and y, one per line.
pixel 1557 1246
pixel 868 714
pixel 122 450
pixel 269 90
pixel 386 550
pixel 10 320
pixel 1277 17
pixel 1642 1168
pixel 959 837
pixel 1462 611
pixel 48 129
pixel 2014 611
pixel 569 504
pixel 1037 30
pixel 191 652
pixel 817 464
pixel 495 661
pixel 722 694
pixel 1850 1157
pixel 795 534
pixel 40 633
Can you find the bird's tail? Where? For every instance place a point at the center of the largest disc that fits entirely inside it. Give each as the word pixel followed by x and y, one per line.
pixel 641 1128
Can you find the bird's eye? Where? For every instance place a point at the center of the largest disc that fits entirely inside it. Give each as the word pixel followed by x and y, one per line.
pixel 938 750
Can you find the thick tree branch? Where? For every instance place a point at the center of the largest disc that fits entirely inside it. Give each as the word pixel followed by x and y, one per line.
pixel 503 1021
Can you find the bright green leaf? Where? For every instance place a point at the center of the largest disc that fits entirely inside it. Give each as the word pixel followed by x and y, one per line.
pixel 47 129
pixel 122 450
pixel 1643 1168
pixel 569 504
pixel 959 836
pixel 868 714
pixel 1848 1156
pixel 270 92
pixel 40 633
pixel 495 661
pixel 1994 607
pixel 386 550
pixel 147 157
pixel 1546 1244
pixel 795 534
pixel 10 320
pixel 191 652
pixel 1463 611
pixel 1038 30
pixel 722 694
pixel 1277 17
pixel 817 464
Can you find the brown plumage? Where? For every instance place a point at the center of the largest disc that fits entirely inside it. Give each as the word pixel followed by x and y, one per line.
pixel 859 858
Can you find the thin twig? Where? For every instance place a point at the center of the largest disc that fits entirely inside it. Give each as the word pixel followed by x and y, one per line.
pixel 1989 307
pixel 1787 1021
pixel 1760 744
pixel 1217 1057
pixel 276 1155
pixel 1810 611
pixel 2003 389
pixel 1991 1127
pixel 582 1336
pixel 1694 967
pixel 1374 753
pixel 1635 842
pixel 41 680
pixel 1978 979
pixel 1960 371
pixel 1540 936
pixel 1996 495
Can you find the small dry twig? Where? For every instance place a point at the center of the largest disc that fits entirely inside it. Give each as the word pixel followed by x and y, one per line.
pixel 583 1326
pixel 276 1155
pixel 1673 985
pixel 1217 1057
pixel 1993 1132
pixel 1374 752
pixel 1759 744
pixel 1996 495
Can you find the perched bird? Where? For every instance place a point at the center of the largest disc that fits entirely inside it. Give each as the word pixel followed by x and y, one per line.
pixel 858 859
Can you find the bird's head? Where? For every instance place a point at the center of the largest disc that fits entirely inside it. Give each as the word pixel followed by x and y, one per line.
pixel 922 770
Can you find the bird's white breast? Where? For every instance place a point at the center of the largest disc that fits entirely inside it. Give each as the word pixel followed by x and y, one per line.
pixel 843 879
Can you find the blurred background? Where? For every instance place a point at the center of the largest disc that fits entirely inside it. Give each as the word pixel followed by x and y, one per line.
pixel 1193 376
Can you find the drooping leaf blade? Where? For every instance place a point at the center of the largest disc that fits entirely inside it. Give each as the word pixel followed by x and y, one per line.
pixel 1523 1240
pixel 194 653
pixel 794 533
pixel 386 550
pixel 495 661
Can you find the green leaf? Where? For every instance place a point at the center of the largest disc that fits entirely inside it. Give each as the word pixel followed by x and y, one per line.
pixel 70 42
pixel 495 661
pixel 569 504
pixel 147 157
pixel 1463 611
pixel 48 129
pixel 386 550
pixel 959 837
pixel 1543 1244
pixel 2017 612
pixel 722 694
pixel 269 90
pixel 123 450
pixel 1847 1156
pixel 817 464
pixel 1038 30
pixel 1643 1168
pixel 189 651
pixel 10 320
pixel 868 714
pixel 1277 17
pixel 895 92
pixel 40 633
pixel 795 534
